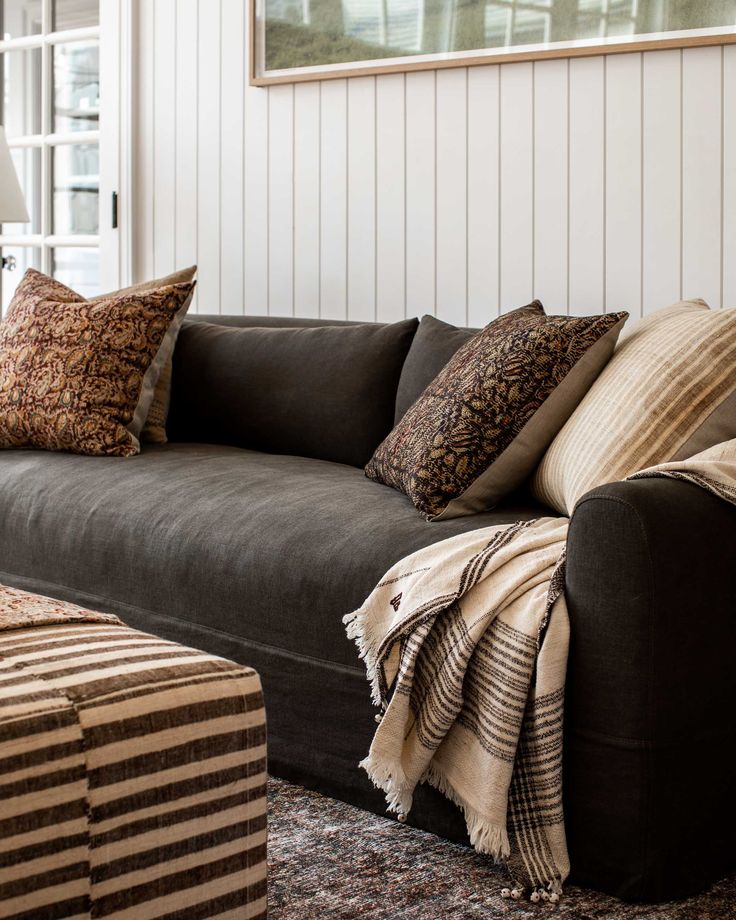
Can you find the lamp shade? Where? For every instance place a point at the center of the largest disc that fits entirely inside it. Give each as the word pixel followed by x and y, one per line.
pixel 12 205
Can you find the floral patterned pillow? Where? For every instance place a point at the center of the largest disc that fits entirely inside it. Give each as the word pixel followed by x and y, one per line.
pixel 79 375
pixel 484 422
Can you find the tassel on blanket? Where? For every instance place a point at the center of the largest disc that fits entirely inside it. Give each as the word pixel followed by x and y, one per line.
pixel 475 605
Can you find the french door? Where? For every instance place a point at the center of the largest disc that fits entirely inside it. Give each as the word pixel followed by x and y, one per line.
pixel 61 112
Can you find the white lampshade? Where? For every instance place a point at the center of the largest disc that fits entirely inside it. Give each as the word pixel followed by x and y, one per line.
pixel 12 205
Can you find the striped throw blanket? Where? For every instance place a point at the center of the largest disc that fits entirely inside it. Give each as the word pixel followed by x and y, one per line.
pixel 465 644
pixel 132 772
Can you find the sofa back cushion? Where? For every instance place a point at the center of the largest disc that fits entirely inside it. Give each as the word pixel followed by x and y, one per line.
pixel 323 391
pixel 433 346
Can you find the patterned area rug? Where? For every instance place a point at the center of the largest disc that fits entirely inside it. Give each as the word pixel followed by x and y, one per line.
pixel 330 860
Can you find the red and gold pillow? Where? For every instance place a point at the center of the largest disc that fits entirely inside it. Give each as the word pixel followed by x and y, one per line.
pixel 78 375
pixel 482 425
pixel 154 428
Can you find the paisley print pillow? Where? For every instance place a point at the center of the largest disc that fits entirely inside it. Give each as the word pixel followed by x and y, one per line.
pixel 74 374
pixel 482 425
pixel 154 428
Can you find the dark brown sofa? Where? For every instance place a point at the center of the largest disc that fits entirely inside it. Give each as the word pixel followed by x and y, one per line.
pixel 251 537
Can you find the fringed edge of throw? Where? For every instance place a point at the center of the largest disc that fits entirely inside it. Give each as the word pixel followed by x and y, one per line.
pixel 485 836
pixel 391 779
pixel 365 636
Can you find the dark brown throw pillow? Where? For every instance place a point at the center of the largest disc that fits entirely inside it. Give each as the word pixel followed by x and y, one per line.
pixel 482 425
pixel 74 374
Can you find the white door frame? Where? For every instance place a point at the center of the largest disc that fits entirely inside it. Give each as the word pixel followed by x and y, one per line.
pixel 116 117
pixel 114 137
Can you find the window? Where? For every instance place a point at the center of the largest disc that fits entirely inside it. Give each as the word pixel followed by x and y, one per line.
pixel 50 71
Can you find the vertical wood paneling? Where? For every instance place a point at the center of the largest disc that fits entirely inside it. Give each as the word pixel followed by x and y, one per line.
pixel 661 179
pixel 232 83
pixel 208 166
pixel 483 191
pixel 701 173
pixel 728 244
pixel 599 183
pixel 333 198
pixel 281 200
pixel 517 186
pixel 255 254
pixel 164 163
pixel 420 193
pixel 623 183
pixel 390 197
pixel 586 203
pixel 550 184
pixel 451 196
pixel 306 199
pixel 361 207
pixel 145 201
pixel 187 110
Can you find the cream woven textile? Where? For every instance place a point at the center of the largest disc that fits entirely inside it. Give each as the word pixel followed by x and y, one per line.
pixel 133 772
pixel 465 644
pixel 668 393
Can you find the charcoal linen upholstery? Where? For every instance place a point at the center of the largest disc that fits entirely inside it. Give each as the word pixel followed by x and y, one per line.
pixel 256 558
pixel 173 542
pixel 318 391
pixel 434 344
pixel 197 531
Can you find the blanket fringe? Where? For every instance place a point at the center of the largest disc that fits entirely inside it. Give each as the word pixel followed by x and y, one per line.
pixel 391 779
pixel 485 837
pixel 367 639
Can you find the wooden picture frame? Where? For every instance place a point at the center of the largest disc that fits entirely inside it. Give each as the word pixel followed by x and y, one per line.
pixel 260 76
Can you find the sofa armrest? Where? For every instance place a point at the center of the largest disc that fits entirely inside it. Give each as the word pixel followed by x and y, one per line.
pixel 651 590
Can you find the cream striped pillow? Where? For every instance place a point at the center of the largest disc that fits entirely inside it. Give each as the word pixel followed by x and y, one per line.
pixel 668 393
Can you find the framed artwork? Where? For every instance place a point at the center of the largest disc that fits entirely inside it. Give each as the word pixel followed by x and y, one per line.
pixel 297 40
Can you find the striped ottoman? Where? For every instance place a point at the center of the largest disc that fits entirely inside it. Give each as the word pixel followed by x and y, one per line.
pixel 132 772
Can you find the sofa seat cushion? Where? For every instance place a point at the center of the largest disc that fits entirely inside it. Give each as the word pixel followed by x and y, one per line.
pixel 272 548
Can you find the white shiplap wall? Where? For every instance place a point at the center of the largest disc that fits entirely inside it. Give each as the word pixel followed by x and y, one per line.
pixel 594 184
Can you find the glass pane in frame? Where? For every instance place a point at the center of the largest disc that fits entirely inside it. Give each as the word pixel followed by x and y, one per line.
pixel 27 162
pixel 75 14
pixel 76 172
pixel 76 87
pixel 22 92
pixel 20 18
pixel 78 267
pixel 291 35
pixel 23 257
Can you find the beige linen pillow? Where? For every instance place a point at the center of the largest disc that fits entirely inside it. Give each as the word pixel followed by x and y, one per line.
pixel 154 428
pixel 669 392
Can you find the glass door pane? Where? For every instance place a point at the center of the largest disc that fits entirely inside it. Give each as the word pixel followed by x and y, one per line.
pixel 27 162
pixel 25 257
pixel 76 172
pixel 22 92
pixel 75 14
pixel 76 87
pixel 78 268
pixel 21 18
pixel 52 113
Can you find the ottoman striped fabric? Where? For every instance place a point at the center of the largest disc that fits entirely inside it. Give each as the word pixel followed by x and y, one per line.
pixel 132 772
